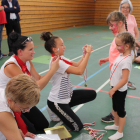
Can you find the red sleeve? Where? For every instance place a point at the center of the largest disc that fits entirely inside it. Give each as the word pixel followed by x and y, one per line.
pixel 20 122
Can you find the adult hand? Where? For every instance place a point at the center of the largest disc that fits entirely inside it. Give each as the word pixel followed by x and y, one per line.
pixel 111 92
pixel 29 134
pixel 55 63
pixel 21 133
pixel 101 61
pixel 15 7
pixel 5 6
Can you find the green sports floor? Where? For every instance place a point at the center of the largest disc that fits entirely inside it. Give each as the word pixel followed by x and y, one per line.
pixel 97 78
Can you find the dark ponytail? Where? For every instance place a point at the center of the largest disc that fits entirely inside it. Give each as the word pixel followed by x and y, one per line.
pixel 15 41
pixel 49 41
pixel 126 25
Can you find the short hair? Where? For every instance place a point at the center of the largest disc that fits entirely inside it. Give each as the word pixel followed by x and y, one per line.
pixel 23 89
pixel 130 4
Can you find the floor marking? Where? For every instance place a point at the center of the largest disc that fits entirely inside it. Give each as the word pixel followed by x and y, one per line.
pixel 79 106
pixel 42 109
pixel 80 56
pixel 77 36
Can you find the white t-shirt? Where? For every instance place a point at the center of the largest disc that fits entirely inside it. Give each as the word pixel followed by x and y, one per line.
pixel 117 75
pixel 3 78
pixel 61 91
pixel 4 108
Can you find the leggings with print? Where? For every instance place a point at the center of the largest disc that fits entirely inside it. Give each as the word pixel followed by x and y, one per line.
pixel 66 114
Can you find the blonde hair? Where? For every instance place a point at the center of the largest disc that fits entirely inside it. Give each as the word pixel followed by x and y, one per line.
pixel 117 16
pixel 23 89
pixel 127 38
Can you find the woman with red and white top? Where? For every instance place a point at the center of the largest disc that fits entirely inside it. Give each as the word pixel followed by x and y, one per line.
pixel 20 63
pixel 62 97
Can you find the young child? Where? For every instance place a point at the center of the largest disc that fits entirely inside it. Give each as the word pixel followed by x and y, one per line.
pixel 119 75
pixel 117 24
pixel 62 97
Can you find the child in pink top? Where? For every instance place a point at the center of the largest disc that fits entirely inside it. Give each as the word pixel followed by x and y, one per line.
pixel 117 24
pixel 113 53
pixel 116 21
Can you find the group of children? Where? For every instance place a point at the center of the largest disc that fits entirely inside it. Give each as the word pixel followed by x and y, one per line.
pixel 62 97
pixel 120 58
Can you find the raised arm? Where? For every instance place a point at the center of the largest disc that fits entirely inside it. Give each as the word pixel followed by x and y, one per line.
pixel 43 80
pixel 76 64
pixel 79 70
pixel 8 126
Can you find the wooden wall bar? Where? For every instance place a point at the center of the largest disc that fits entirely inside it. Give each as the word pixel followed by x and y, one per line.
pixel 47 15
pixel 104 7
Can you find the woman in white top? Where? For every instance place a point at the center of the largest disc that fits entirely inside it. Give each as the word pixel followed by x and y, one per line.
pixel 16 99
pixel 62 97
pixel 20 63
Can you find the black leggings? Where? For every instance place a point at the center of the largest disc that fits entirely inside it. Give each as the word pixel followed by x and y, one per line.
pixel 66 114
pixel 118 101
pixel 35 120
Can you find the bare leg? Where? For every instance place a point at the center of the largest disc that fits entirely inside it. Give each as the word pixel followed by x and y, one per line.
pixel 116 118
pixel 121 124
pixel 113 113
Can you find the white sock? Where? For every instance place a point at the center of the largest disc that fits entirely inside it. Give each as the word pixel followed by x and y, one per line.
pixel 116 136
pixel 112 127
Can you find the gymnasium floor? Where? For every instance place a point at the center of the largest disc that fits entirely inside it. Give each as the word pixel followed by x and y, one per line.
pixel 97 78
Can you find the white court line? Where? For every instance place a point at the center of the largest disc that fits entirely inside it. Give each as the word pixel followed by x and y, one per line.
pixel 79 106
pixel 79 56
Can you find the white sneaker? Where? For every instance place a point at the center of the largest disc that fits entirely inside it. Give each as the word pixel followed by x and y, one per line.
pixel 116 136
pixel 52 115
pixel 112 127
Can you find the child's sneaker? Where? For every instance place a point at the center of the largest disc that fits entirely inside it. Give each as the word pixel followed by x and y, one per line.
pixel 111 127
pixel 2 55
pixel 116 136
pixel 131 85
pixel 52 115
pixel 107 119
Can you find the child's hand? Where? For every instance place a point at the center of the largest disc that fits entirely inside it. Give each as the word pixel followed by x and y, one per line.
pixel 101 61
pixel 89 48
pixel 111 92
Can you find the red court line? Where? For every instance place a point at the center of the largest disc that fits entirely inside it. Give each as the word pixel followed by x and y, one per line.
pixel 74 37
pixel 78 36
pixel 102 91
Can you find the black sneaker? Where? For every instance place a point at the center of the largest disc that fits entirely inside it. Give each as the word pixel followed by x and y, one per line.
pixel 108 119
